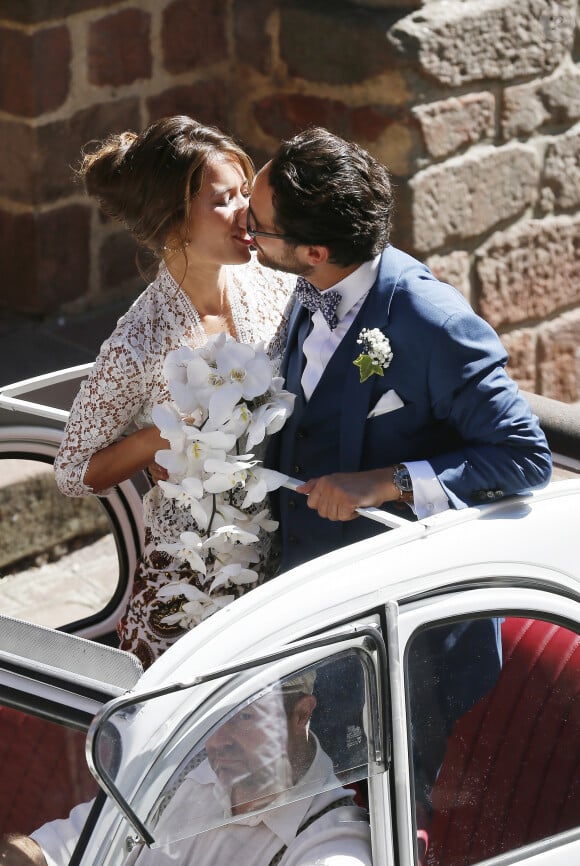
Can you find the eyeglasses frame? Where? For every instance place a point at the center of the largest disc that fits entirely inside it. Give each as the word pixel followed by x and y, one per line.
pixel 254 233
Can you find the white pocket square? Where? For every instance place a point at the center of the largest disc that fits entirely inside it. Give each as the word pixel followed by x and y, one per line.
pixel 387 403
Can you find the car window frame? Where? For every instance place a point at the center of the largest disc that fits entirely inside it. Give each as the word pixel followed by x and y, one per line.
pixel 510 597
pixel 123 508
pixel 313 649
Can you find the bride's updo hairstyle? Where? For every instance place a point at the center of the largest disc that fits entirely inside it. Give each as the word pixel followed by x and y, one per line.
pixel 147 181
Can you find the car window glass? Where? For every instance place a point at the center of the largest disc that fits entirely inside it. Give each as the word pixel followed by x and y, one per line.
pixel 43 771
pixel 504 771
pixel 58 558
pixel 259 756
pixel 310 731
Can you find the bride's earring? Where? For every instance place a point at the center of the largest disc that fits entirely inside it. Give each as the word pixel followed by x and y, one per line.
pixel 168 249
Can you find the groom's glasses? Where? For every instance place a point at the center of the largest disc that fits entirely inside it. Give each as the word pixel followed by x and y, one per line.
pixel 254 233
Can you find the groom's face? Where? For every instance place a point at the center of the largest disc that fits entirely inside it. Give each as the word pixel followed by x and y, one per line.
pixel 272 252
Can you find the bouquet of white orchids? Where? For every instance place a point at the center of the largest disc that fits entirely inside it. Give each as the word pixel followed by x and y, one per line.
pixel 226 400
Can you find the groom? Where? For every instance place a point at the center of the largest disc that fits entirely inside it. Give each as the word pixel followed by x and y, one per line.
pixel 438 424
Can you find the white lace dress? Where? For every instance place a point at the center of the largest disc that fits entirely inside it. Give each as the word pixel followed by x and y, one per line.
pixel 125 384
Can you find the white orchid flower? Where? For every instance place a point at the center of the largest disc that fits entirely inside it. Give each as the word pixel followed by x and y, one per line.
pixel 277 386
pixel 213 439
pixel 176 463
pixel 189 494
pixel 170 424
pixel 225 537
pixel 239 421
pixel 186 399
pixel 175 364
pixel 195 612
pixel 263 521
pixel 196 454
pixel 188 548
pixel 226 514
pixel 222 403
pixel 190 380
pixel 200 373
pixel 183 386
pixel 213 346
pixel 284 402
pixel 202 511
pixel 221 482
pixel 226 474
pixel 268 419
pixel 177 492
pixel 243 462
pixel 259 483
pixel 197 607
pixel 180 587
pixel 242 554
pixel 247 365
pixel 235 574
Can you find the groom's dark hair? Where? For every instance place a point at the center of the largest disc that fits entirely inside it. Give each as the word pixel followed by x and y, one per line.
pixel 330 192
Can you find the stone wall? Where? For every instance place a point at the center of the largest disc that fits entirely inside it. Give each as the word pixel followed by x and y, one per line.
pixel 473 104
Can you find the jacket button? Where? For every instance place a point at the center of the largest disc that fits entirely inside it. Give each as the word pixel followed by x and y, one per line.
pixel 292 504
pixel 297 469
pixel 301 434
pixel 292 539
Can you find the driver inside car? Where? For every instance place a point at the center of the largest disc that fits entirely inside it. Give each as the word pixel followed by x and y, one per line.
pixel 255 760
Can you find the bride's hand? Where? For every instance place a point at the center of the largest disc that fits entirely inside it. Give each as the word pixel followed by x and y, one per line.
pixel 157 473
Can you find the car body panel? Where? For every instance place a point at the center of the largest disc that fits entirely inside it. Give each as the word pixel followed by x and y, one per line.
pixel 430 571
pixel 518 557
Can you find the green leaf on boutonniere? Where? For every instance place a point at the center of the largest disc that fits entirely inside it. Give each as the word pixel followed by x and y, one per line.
pixel 368 367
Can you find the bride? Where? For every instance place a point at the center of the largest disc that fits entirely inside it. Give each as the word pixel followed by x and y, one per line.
pixel 181 189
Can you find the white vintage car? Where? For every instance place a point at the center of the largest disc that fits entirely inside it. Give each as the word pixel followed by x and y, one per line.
pixel 79 720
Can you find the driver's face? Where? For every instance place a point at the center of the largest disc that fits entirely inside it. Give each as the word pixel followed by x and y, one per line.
pixel 249 752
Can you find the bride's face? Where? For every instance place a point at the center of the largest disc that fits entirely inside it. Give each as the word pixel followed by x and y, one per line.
pixel 217 233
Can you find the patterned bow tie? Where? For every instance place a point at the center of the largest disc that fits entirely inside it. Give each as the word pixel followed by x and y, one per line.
pixel 327 302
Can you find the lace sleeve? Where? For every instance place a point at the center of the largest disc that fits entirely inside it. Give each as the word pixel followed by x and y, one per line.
pixel 103 410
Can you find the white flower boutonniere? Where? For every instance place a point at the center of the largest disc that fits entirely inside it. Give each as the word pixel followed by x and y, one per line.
pixel 377 353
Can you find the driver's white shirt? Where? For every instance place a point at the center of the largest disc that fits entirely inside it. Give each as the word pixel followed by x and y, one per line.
pixel 341 837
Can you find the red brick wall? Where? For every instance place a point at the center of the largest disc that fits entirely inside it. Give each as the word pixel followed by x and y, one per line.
pixel 474 107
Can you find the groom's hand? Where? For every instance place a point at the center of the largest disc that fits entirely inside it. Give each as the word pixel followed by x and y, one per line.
pixel 337 496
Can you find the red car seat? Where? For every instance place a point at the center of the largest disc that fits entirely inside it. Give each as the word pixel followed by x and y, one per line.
pixel 511 773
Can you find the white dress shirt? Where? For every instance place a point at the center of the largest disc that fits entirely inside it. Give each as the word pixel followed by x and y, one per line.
pixel 319 346
pixel 341 836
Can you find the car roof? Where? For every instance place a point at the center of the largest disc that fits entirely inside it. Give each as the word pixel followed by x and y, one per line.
pixel 519 534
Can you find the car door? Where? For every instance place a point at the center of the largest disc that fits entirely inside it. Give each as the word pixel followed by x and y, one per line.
pixel 64 562
pixel 51 686
pixel 508 784
pixel 151 750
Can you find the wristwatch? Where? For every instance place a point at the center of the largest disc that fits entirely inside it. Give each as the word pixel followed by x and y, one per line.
pixel 403 483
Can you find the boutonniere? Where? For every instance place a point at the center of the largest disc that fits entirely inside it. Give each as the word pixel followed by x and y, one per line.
pixel 377 354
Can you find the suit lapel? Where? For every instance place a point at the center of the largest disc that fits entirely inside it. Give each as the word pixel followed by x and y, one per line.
pixel 374 313
pixel 293 360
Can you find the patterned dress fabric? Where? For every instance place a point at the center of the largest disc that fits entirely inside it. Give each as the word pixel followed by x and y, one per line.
pixel 125 383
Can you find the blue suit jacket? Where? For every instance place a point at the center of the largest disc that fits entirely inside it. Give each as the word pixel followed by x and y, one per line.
pixel 461 410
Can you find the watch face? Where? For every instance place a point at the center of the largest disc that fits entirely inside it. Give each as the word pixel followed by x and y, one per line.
pixel 402 479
